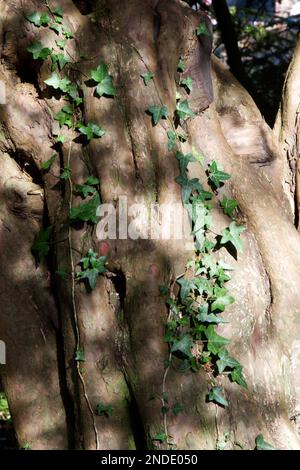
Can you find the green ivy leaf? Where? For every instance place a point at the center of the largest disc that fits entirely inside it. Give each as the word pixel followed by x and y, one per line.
pixel 216 175
pixel 177 408
pixel 172 136
pixel 48 164
pixel 228 205
pixel 41 246
pixel 38 51
pixel 184 160
pixel 62 60
pixel 64 119
pixel 147 77
pixel 232 235
pixel 181 65
pixel 106 410
pixel 58 11
pixel 61 43
pixel 188 186
pixel 204 317
pixel 184 111
pixel 57 83
pixel 67 34
pixel 215 341
pixel 88 187
pixel 261 444
pixel 183 345
pixel 104 80
pixel 237 376
pixel 160 436
pixel 91 131
pixel 37 19
pixel 223 299
pixel 202 30
pixel 186 286
pixel 158 113
pixel 55 27
pixel 79 355
pixel 216 395
pixel 93 266
pixel 86 211
pixel 66 173
pixel 34 18
pixel 187 82
pixel 226 361
pixel 61 139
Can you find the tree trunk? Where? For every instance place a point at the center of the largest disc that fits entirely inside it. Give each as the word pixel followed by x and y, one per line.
pixel 120 324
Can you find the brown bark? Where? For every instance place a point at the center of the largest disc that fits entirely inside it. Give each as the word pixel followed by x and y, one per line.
pixel 121 323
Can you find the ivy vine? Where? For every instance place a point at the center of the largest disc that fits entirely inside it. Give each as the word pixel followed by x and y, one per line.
pixel 194 315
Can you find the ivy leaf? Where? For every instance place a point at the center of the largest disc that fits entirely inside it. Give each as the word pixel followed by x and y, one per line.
pixel 57 83
pixel 58 11
pixel 34 18
pixel 61 139
pixel 232 235
pixel 37 19
pixel 92 181
pixel 215 341
pixel 45 19
pixel 181 65
pixel 66 173
pixel 74 94
pixel 147 77
pixel 67 34
pixel 177 408
pixel 55 27
pixel 41 246
pixel 186 286
pixel 202 30
pixel 216 395
pixel 183 110
pixel 223 299
pixel 226 361
pixel 61 43
pixel 86 211
pixel 183 345
pixel 64 119
pixel 91 131
pixel 228 205
pixel 172 136
pixel 104 80
pixel 79 355
pixel 160 436
pixel 158 113
pixel 88 187
pixel 204 317
pixel 188 83
pixel 188 186
pixel 62 60
pixel 216 175
pixel 106 410
pixel 48 164
pixel 184 160
pixel 261 444
pixel 93 266
pixel 237 376
pixel 38 51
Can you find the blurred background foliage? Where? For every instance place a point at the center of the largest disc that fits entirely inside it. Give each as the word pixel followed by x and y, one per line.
pixel 265 33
